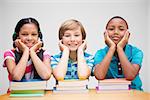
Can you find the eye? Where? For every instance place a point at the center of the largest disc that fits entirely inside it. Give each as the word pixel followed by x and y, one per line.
pixel 121 29
pixel 24 34
pixel 66 35
pixel 34 34
pixel 77 35
pixel 111 28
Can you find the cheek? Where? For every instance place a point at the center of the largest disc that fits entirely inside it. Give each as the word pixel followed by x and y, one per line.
pixel 122 34
pixel 80 42
pixel 23 39
pixel 36 38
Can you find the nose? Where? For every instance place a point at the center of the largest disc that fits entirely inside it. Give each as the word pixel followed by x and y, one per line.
pixel 29 37
pixel 72 38
pixel 116 32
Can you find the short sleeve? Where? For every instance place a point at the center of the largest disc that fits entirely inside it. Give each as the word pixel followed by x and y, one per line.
pixel 99 56
pixel 9 54
pixel 137 58
pixel 54 60
pixel 89 60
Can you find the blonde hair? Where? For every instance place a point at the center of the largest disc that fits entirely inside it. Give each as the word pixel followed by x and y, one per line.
pixel 71 25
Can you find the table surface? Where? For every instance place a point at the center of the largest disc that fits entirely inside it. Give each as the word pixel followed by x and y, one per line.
pixel 91 95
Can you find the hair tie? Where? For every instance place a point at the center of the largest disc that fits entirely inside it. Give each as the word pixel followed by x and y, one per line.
pixel 15 33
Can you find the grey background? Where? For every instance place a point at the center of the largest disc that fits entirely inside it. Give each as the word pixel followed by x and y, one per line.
pixel 93 14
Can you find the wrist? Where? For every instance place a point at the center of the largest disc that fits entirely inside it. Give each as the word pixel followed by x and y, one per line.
pixel 113 48
pixel 119 48
pixel 31 51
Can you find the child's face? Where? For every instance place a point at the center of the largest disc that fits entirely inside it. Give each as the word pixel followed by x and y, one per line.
pixel 29 34
pixel 116 29
pixel 72 39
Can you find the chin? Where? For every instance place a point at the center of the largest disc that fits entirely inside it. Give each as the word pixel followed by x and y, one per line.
pixel 116 42
pixel 30 46
pixel 73 49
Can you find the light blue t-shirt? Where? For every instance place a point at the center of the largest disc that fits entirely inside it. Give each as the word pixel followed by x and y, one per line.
pixel 72 66
pixel 133 54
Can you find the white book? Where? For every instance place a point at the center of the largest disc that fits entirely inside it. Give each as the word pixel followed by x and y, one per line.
pixel 73 82
pixel 71 87
pixel 113 87
pixel 70 91
pixel 28 85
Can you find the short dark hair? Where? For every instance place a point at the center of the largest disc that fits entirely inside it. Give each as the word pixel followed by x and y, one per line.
pixel 117 17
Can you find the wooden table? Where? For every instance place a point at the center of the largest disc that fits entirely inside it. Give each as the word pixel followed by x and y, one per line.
pixel 91 95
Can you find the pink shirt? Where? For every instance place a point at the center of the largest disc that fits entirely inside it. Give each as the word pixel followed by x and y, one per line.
pixel 29 73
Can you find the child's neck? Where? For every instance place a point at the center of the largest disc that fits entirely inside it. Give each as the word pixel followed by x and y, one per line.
pixel 73 56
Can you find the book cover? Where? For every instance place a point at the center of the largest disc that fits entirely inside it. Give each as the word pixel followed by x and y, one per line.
pixel 71 87
pixel 26 93
pixel 70 91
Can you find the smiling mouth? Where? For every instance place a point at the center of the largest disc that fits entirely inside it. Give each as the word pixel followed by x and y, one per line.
pixel 115 39
pixel 72 45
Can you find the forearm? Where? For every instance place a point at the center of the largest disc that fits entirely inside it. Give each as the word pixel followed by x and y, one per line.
pixel 101 69
pixel 83 69
pixel 42 67
pixel 61 69
pixel 19 70
pixel 128 69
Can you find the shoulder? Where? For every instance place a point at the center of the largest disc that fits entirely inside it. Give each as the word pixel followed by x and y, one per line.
pixel 9 52
pixel 134 49
pixel 88 55
pixel 102 51
pixel 56 57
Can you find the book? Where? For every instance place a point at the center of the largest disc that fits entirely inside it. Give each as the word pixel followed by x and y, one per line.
pixel 73 82
pixel 119 84
pixel 114 81
pixel 113 87
pixel 26 93
pixel 70 91
pixel 28 85
pixel 27 88
pixel 71 86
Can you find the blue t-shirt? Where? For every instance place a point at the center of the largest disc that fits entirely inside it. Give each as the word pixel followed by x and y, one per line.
pixel 133 54
pixel 72 66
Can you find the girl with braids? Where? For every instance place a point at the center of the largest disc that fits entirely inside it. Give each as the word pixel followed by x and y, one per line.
pixel 27 60
pixel 118 59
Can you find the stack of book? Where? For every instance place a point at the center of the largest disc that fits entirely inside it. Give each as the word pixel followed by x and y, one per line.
pixel 28 88
pixel 71 86
pixel 119 84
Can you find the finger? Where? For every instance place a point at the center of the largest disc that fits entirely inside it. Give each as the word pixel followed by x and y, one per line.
pixel 127 34
pixel 16 43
